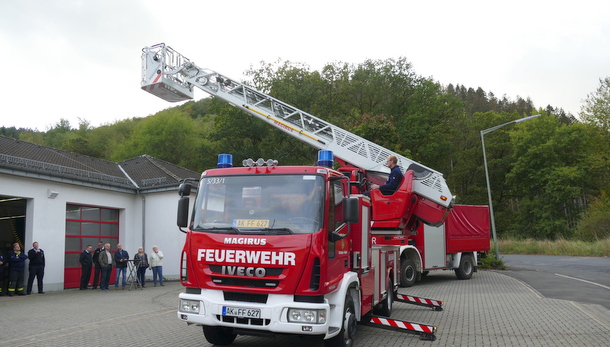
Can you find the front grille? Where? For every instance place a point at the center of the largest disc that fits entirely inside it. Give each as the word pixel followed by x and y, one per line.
pixel 245 282
pixel 269 271
pixel 246 321
pixel 246 297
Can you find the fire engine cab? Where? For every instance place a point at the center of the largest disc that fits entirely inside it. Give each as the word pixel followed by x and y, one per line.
pixel 284 250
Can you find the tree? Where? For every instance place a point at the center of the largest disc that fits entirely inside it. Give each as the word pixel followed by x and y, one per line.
pixel 596 108
pixel 32 136
pixel 244 137
pixel 424 122
pixel 13 132
pixel 595 225
pixel 55 136
pixel 551 177
pixel 77 140
pixel 379 129
pixel 169 135
pixel 466 174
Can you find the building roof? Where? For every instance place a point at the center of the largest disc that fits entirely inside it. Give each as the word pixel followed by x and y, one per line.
pixel 149 171
pixel 143 172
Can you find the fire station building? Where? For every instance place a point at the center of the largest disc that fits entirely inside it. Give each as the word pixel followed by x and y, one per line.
pixel 66 201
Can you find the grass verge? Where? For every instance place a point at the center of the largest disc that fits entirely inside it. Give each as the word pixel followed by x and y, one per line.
pixel 599 248
pixel 564 247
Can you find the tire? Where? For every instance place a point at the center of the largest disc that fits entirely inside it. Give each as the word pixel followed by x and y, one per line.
pixel 386 306
pixel 464 272
pixel 346 336
pixel 219 336
pixel 408 273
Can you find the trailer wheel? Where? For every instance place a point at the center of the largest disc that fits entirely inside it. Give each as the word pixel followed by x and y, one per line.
pixel 408 273
pixel 218 335
pixel 464 272
pixel 345 338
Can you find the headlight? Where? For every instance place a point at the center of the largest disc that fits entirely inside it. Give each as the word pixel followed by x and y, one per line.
pixel 297 315
pixel 189 306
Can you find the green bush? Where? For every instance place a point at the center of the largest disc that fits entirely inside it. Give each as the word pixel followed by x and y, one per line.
pixel 595 226
pixel 492 263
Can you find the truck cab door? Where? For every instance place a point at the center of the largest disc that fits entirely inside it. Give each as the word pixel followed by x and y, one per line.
pixel 338 251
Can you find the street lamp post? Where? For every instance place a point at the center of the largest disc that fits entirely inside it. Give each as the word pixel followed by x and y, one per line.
pixel 491 208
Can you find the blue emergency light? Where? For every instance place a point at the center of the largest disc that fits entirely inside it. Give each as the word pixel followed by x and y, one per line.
pixel 225 161
pixel 325 158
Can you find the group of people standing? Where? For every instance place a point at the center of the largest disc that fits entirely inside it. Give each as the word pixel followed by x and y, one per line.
pixel 104 259
pixel 16 266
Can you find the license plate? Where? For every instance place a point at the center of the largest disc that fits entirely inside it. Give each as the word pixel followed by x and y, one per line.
pixel 251 223
pixel 241 312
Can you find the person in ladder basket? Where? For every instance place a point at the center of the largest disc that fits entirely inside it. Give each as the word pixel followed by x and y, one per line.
pixel 391 185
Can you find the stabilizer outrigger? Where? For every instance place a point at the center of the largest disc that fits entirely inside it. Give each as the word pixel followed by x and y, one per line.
pixel 426 332
pixel 436 305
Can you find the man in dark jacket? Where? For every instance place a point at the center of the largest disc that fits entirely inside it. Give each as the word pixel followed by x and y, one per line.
pixel 36 256
pixel 16 260
pixel 394 180
pixel 98 268
pixel 86 262
pixel 121 257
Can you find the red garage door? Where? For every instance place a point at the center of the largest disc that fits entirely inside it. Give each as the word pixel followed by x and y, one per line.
pixel 87 225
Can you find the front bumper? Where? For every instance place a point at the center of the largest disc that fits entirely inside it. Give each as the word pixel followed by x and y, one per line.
pixel 273 314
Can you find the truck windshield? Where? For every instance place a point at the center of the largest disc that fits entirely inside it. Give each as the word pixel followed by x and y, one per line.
pixel 257 204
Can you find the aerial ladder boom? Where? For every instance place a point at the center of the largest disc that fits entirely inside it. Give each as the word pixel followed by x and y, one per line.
pixel 172 77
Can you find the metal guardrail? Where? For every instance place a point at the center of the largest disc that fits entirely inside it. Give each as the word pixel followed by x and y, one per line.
pixel 153 181
pixel 65 170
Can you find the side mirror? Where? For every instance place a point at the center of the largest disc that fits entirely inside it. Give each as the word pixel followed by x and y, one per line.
pixel 183 212
pixel 334 237
pixel 351 210
pixel 184 189
pixel 350 215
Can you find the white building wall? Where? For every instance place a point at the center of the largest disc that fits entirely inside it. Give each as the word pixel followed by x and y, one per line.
pixel 161 230
pixel 45 221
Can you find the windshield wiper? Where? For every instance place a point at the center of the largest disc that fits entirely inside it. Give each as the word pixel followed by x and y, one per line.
pixel 234 230
pixel 269 231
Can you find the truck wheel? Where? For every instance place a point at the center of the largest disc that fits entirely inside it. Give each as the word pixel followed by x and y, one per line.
pixel 408 274
pixel 346 336
pixel 218 335
pixel 464 272
pixel 386 305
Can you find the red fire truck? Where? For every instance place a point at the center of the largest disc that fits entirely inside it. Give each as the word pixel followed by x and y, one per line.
pixel 295 249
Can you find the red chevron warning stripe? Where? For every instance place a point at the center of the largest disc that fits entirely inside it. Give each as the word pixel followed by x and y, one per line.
pixel 429 329
pixel 419 300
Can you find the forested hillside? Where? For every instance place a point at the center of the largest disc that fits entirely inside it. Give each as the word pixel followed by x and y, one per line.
pixel 549 176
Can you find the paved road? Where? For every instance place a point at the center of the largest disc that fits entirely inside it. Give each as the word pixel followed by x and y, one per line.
pixel 582 279
pixel 491 309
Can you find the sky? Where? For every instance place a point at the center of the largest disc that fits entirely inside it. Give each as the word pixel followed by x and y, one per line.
pixel 81 59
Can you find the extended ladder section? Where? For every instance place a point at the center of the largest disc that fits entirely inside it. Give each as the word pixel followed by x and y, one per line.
pixel 171 76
